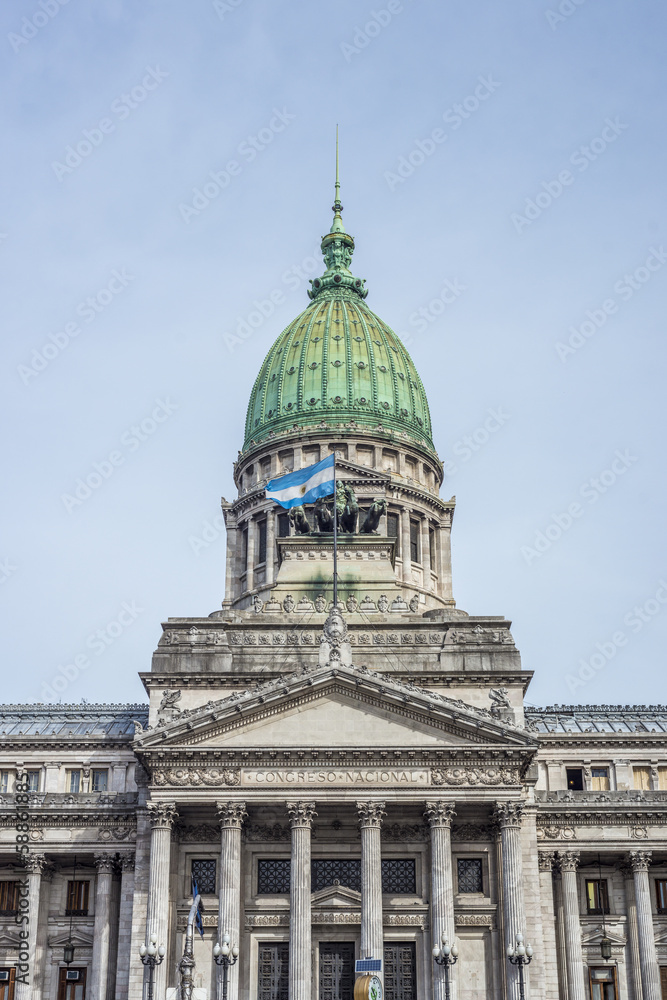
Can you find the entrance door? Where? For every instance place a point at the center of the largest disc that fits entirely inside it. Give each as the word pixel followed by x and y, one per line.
pixel 336 970
pixel 400 980
pixel 663 981
pixel 273 979
pixel 72 984
pixel 7 976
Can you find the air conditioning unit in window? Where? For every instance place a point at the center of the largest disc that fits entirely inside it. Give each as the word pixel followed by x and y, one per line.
pixel 4 975
pixel 72 975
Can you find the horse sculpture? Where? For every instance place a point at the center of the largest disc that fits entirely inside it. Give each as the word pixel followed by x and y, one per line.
pixel 372 519
pixel 347 508
pixel 298 519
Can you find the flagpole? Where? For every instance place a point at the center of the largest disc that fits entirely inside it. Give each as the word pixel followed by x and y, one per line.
pixel 335 540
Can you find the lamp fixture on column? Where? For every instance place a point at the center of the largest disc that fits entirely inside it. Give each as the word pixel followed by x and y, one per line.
pixel 446 956
pixel 151 956
pixel 225 956
pixel 520 954
pixel 68 956
pixel 605 943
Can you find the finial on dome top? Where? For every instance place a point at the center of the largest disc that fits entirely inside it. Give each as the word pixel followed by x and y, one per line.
pixel 337 248
pixel 337 224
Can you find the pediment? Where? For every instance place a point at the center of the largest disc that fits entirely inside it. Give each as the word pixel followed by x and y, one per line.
pixel 336 895
pixel 79 938
pixel 593 937
pixel 333 706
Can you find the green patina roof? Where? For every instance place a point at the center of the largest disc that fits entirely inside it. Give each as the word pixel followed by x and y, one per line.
pixel 337 361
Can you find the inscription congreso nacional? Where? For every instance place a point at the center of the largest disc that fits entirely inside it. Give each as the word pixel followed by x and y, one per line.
pixel 338 760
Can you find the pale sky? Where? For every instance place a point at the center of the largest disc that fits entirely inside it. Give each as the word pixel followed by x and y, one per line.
pixel 168 166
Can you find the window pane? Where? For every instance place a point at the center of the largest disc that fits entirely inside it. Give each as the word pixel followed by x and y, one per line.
pixel 399 876
pixel 244 549
pixel 414 541
pixel 100 780
pixel 392 531
pixel 642 777
pixel 283 525
pixel 261 554
pixel 431 547
pixel 328 871
pixel 9 897
pixel 4 781
pixel 33 781
pixel 662 778
pixel 74 781
pixel 203 872
pixel 661 893
pixel 575 779
pixel 600 776
pixel 273 875
pixel 470 874
pixel 77 898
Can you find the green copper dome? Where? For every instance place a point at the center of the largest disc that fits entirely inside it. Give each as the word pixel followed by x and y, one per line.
pixel 337 362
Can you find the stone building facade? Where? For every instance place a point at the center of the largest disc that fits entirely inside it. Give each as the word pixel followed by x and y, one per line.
pixel 343 782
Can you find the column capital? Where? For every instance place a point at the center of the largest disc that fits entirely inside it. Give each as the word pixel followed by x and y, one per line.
pixel 639 861
pixel 568 861
pixel 127 862
pixel 230 815
pixel 508 814
pixel 371 814
pixel 301 814
pixel 162 814
pixel 105 863
pixel 440 814
pixel 545 860
pixel 35 863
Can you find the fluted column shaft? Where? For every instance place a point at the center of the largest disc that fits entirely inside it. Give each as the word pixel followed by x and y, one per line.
pixel 439 816
pixel 125 926
pixel 635 971
pixel 25 990
pixel 102 928
pixel 561 950
pixel 301 821
pixel 546 861
pixel 371 815
pixel 230 817
pixel 162 816
pixel 648 958
pixel 270 546
pixel 507 816
pixel 574 958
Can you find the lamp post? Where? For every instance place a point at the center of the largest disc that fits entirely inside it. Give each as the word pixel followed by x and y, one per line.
pixel 151 956
pixel 446 956
pixel 226 957
pixel 520 954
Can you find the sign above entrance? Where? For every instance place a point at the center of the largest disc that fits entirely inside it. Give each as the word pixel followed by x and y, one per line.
pixel 334 777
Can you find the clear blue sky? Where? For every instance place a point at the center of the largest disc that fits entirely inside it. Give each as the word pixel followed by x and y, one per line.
pixel 514 152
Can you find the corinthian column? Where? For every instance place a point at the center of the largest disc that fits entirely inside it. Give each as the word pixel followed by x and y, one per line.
pixel 574 958
pixel 371 815
pixel 230 816
pixel 162 816
pixel 635 970
pixel 27 967
pixel 125 925
pixel 561 949
pixel 546 862
pixel 507 816
pixel 639 861
pixel 102 929
pixel 439 816
pixel 301 821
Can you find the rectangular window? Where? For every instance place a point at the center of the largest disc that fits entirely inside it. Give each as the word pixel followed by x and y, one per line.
pixel 399 876
pixel 642 778
pixel 273 876
pixel 33 780
pixel 283 525
pixel 470 875
pixel 600 779
pixel 597 895
pixel 9 898
pixel 4 781
pixel 100 780
pixel 431 548
pixel 72 984
pixel 414 541
pixel 261 542
pixel 203 873
pixel 77 899
pixel 603 983
pixel 244 550
pixel 7 982
pixel 575 779
pixel 74 781
pixel 662 778
pixel 661 894
pixel 392 531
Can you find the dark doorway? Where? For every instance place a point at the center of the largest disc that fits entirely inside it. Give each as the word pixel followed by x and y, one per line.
pixel 400 981
pixel 336 970
pixel 273 979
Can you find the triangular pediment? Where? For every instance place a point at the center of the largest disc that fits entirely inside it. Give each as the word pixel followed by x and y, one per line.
pixel 333 706
pixel 336 895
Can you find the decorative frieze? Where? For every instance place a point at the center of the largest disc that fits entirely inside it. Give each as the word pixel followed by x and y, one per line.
pixel 262 833
pixel 474 919
pixel 476 776
pixel 196 776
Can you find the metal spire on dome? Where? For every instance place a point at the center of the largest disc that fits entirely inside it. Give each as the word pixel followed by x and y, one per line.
pixel 337 224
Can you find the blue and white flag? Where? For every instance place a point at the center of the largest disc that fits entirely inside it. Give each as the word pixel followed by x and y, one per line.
pixel 303 486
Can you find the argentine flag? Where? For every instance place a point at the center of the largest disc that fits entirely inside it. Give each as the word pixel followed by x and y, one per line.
pixel 304 486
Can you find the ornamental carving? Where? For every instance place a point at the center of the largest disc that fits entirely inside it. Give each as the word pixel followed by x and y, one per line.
pixel 508 814
pixel 474 919
pixel 440 814
pixel 126 862
pixel 371 814
pixel 553 832
pixel 466 832
pixel 162 814
pixel 259 833
pixel 34 863
pixel 639 861
pixel 401 832
pixel 568 861
pixel 545 860
pixel 475 776
pixel 230 815
pixel 182 776
pixel 301 814
pixel 202 833
pixel 264 920
pixel 639 833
